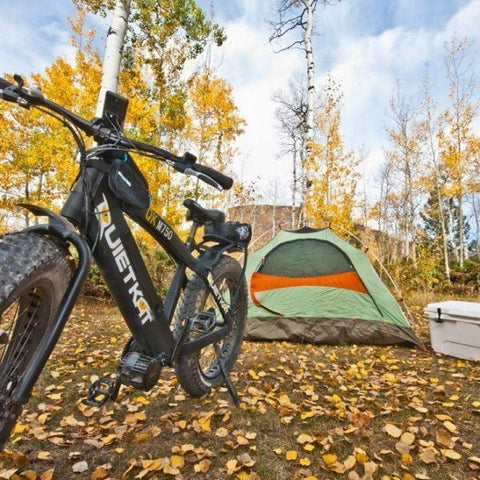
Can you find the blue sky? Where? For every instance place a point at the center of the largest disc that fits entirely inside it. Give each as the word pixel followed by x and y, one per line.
pixel 365 44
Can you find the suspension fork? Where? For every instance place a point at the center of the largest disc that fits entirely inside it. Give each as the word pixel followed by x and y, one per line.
pixel 59 227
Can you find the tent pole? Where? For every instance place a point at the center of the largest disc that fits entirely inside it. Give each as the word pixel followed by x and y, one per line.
pixel 392 281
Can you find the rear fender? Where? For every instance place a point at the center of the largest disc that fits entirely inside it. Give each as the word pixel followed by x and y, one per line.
pixel 212 255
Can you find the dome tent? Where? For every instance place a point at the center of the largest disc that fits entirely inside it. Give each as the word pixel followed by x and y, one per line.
pixel 309 285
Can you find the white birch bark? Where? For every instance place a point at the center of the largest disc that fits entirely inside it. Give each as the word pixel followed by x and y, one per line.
pixel 310 100
pixel 441 212
pixel 310 76
pixel 113 52
pixel 431 129
pixel 476 211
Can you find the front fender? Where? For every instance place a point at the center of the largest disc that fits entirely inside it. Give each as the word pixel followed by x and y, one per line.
pixel 63 229
pixel 58 225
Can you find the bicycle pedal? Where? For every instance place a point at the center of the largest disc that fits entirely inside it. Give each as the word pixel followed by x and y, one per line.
pixel 101 391
pixel 203 322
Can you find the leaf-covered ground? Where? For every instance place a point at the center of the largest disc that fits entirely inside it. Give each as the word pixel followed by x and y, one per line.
pixel 307 411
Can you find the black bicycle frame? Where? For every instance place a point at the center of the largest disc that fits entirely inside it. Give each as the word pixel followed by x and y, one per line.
pixel 122 266
pixel 108 235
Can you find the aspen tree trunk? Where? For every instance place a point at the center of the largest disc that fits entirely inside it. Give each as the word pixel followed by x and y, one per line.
pixel 442 226
pixel 461 228
pixel 451 236
pixel 294 188
pixel 413 232
pixel 477 224
pixel 27 198
pixel 113 52
pixel 430 126
pixel 310 100
pixel 462 244
pixel 441 213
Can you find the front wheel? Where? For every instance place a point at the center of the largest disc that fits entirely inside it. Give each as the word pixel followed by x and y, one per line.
pixel 34 272
pixel 199 372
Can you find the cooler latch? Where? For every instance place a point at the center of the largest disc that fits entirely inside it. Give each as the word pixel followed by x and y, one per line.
pixel 439 316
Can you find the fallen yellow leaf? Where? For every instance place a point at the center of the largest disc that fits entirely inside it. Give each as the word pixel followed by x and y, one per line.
pixel 452 454
pixel 291 455
pixel 203 466
pixel 44 456
pixel 406 458
pixel 407 438
pixel 329 459
pixel 450 426
pixel 428 456
pixel 305 438
pixel 392 430
pixel 350 462
pixel 444 438
pixel 176 461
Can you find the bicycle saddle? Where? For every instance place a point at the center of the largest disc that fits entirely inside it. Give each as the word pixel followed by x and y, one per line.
pixel 202 215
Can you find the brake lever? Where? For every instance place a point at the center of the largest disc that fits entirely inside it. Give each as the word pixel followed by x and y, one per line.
pixel 204 178
pixel 10 95
pixel 14 93
pixel 19 81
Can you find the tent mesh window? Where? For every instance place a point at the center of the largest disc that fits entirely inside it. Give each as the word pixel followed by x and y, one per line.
pixel 300 259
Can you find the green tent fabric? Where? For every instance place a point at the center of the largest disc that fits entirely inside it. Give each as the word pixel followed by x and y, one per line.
pixel 310 285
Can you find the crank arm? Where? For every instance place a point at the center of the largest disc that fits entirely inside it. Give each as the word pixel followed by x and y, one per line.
pixel 195 345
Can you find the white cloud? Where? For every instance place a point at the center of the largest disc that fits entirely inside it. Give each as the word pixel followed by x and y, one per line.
pixel 368 65
pixel 465 22
pixel 33 35
pixel 256 72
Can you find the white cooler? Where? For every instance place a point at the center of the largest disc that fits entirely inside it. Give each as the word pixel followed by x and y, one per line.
pixel 455 328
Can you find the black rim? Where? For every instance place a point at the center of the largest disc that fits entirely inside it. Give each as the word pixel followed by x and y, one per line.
pixel 22 326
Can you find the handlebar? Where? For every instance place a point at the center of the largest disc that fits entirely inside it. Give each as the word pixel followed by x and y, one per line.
pixel 186 164
pixel 4 83
pixel 221 179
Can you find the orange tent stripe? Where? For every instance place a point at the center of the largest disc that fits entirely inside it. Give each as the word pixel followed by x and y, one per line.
pixel 348 280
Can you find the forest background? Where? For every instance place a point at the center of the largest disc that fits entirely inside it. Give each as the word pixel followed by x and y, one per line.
pixel 415 202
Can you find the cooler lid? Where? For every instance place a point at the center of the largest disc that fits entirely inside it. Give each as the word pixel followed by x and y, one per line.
pixel 454 309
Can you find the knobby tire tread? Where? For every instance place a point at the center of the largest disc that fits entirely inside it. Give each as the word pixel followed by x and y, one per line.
pixel 27 258
pixel 186 367
pixel 22 254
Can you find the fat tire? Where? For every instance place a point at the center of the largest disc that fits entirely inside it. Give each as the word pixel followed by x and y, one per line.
pixel 187 367
pixel 28 261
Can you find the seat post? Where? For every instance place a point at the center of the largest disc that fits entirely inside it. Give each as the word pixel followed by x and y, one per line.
pixel 191 236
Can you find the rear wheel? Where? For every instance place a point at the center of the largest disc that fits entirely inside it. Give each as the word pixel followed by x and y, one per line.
pixel 199 372
pixel 34 272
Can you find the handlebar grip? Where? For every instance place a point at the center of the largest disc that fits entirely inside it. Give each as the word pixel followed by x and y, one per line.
pixel 224 181
pixel 4 83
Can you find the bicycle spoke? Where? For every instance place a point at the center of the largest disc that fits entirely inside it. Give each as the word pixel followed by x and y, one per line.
pixel 5 331
pixel 15 319
pixel 18 339
pixel 20 346
pixel 22 341
pixel 208 359
pixel 17 364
